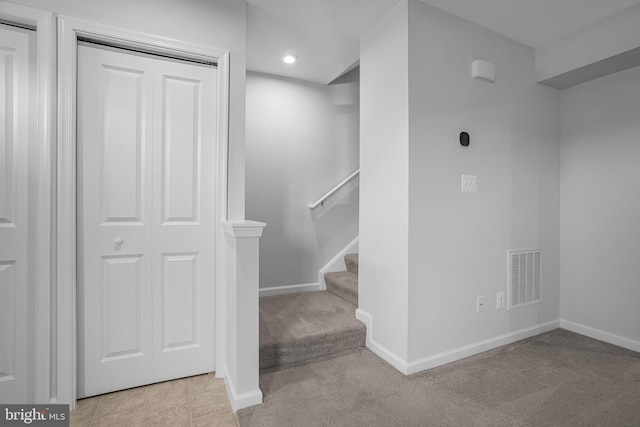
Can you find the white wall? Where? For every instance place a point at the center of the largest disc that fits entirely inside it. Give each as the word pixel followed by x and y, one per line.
pixel 607 46
pixel 214 23
pixel 459 241
pixel 302 140
pixel 600 205
pixel 427 250
pixel 384 183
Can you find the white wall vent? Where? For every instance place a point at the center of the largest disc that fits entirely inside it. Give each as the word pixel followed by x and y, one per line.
pixel 524 278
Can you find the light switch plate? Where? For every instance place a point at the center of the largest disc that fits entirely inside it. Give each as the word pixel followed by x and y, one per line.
pixel 469 183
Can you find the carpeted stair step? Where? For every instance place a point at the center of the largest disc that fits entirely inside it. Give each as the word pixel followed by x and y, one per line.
pixel 351 261
pixel 304 326
pixel 343 284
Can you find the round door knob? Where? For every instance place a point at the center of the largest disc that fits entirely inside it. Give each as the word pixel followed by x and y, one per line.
pixel 119 241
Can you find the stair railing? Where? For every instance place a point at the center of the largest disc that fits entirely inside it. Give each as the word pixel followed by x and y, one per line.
pixel 321 200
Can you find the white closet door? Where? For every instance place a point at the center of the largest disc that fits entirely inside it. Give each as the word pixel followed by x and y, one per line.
pixel 115 189
pixel 146 197
pixel 14 233
pixel 184 223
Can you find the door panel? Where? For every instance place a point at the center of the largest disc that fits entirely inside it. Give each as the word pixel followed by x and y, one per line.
pixel 14 232
pixel 123 160
pixel 121 304
pixel 179 296
pixel 184 240
pixel 8 290
pixel 146 147
pixel 115 95
pixel 181 149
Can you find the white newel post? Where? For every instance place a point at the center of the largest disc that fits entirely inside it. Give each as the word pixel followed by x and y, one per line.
pixel 242 364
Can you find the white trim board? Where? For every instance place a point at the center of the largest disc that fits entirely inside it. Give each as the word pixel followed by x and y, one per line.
pixel 337 262
pixel 290 289
pixel 452 355
pixel 44 283
pixel 480 347
pixel 388 356
pixel 239 401
pixel 69 30
pixel 600 335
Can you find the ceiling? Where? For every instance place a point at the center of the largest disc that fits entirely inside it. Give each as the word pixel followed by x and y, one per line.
pixel 325 34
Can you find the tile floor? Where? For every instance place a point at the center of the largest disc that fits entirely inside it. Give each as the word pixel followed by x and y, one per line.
pixel 199 401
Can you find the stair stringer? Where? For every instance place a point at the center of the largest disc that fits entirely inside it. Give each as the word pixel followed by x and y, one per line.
pixel 337 262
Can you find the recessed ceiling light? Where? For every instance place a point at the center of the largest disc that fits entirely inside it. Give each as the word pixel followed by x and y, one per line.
pixel 290 59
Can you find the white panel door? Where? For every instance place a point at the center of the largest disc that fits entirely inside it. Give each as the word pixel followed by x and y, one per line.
pixel 184 208
pixel 146 216
pixel 114 150
pixel 14 233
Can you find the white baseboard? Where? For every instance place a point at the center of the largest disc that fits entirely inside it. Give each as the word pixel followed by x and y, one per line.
pixel 600 335
pixel 243 400
pixel 337 262
pixel 449 356
pixel 291 289
pixel 388 356
pixel 480 347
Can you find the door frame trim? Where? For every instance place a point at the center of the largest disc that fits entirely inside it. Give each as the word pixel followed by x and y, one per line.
pixel 69 30
pixel 43 282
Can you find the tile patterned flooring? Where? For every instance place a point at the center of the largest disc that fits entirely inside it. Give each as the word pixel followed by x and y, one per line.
pixel 199 401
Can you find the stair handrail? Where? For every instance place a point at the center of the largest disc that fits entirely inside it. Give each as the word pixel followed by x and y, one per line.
pixel 322 199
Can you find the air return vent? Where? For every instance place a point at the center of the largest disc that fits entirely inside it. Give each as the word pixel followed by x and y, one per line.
pixel 524 278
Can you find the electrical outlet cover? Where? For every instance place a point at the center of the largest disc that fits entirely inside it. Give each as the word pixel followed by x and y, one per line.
pixel 500 300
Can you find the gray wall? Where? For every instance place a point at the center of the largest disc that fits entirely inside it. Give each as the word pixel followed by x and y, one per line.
pixel 601 206
pixel 384 180
pixel 605 46
pixel 459 241
pixel 215 23
pixel 302 140
pixel 424 245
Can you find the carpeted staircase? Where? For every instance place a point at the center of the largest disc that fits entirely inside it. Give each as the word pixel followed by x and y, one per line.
pixel 345 283
pixel 307 325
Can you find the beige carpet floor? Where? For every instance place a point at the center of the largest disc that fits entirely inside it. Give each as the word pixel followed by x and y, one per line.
pixel 302 326
pixel 555 379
